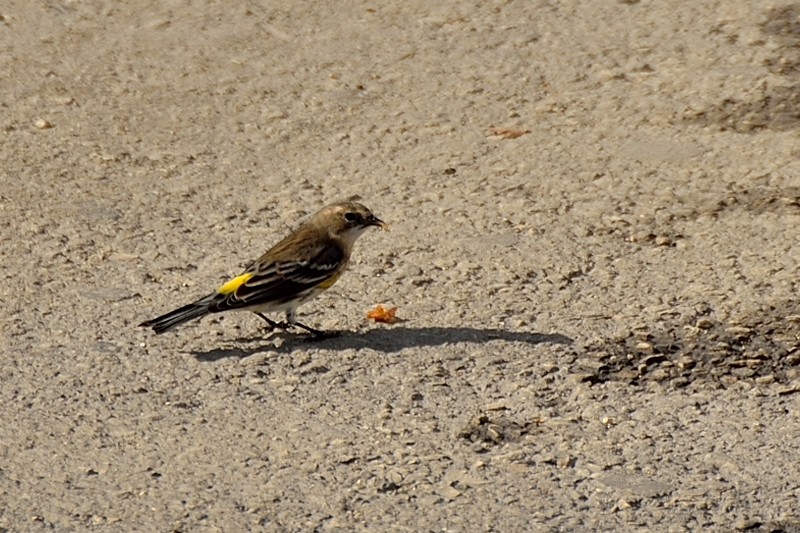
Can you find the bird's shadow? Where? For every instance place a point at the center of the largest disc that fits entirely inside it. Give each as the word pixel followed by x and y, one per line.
pixel 385 340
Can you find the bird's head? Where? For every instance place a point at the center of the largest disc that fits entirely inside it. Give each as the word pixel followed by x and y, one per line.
pixel 348 220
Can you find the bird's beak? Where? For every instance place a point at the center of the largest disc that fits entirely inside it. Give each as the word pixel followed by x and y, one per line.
pixel 375 221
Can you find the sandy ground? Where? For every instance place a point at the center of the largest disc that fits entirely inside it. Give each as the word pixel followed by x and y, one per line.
pixel 601 326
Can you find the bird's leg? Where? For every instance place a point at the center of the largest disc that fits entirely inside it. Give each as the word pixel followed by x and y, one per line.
pixel 272 324
pixel 291 320
pixel 317 333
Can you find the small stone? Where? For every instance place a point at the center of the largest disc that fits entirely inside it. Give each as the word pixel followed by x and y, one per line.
pixel 565 461
pixel 680 382
pixel 122 256
pixel 738 332
pixel 704 323
pixel 745 525
pixel 623 504
pixel 789 389
pixel 494 432
pixel 43 124
pixel 449 493
pixel 644 347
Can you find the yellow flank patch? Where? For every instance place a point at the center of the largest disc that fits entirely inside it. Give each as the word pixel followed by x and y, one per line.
pixel 234 284
pixel 328 283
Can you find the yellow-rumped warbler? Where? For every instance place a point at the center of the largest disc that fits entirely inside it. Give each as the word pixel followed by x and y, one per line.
pixel 298 268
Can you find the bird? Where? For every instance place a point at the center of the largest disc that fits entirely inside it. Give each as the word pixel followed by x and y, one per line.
pixel 298 268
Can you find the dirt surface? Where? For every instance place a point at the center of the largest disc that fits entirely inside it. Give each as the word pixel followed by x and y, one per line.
pixel 595 212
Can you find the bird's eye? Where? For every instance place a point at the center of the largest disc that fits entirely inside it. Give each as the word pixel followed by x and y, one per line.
pixel 350 217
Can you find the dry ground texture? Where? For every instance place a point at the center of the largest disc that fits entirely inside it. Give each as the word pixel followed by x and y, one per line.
pixel 595 211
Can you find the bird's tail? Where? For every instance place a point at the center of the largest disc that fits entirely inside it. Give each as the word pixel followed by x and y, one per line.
pixel 177 317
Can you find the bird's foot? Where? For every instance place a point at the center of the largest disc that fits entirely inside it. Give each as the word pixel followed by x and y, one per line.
pixel 318 334
pixel 274 325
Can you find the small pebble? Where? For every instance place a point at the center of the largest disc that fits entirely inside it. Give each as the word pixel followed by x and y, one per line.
pixel 704 323
pixel 644 347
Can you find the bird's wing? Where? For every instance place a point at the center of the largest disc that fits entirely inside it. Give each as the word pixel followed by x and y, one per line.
pixel 279 280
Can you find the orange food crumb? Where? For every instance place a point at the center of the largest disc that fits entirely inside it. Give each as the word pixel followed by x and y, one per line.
pixel 382 314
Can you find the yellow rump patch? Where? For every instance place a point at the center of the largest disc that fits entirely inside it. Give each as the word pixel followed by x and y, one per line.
pixel 234 284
